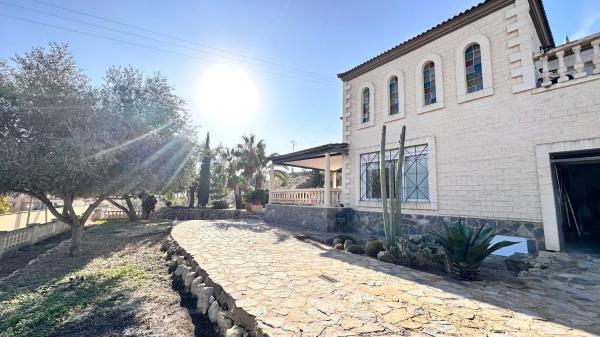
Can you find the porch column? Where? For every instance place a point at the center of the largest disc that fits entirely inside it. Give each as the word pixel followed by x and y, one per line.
pixel 327 198
pixel 334 179
pixel 271 182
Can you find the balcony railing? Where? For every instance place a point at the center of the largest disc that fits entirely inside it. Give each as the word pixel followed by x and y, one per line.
pixel 305 196
pixel 570 61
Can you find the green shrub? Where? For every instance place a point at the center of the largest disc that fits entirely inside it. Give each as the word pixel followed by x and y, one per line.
pixel 4 205
pixel 220 204
pixel 355 249
pixel 373 247
pixel 257 197
pixel 418 251
pixel 466 248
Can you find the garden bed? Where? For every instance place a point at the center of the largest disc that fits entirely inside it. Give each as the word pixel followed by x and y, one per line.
pixel 118 286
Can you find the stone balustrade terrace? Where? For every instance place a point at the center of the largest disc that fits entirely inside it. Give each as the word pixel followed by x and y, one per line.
pixel 571 61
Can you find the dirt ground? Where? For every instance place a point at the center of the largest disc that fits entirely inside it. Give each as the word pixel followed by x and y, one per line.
pixel 119 286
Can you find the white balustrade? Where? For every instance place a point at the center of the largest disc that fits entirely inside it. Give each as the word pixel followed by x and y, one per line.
pixel 573 60
pixel 305 196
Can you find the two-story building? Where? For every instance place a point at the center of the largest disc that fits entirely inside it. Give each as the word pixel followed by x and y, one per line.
pixel 503 128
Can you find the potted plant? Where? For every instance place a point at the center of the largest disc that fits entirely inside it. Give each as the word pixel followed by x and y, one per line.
pixel 467 247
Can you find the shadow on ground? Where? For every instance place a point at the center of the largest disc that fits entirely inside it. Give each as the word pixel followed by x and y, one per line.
pixel 119 285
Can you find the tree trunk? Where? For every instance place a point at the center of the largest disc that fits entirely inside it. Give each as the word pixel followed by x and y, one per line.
pixel 238 197
pixel 191 194
pixel 131 209
pixel 76 239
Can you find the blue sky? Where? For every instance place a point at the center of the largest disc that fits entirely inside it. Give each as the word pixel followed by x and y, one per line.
pixel 314 39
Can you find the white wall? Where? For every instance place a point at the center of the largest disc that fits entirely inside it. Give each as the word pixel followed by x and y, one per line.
pixel 485 162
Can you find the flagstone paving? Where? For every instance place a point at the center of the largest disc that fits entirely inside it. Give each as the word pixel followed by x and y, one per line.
pixel 299 288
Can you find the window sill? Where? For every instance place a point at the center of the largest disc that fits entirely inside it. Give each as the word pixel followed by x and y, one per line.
pixel 430 107
pixel 365 125
pixel 405 205
pixel 390 118
pixel 475 95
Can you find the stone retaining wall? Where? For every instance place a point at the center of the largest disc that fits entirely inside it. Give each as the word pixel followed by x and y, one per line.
pixel 213 301
pixel 371 223
pixel 184 213
pixel 304 217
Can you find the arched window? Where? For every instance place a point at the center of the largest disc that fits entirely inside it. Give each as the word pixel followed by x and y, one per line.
pixel 366 106
pixel 473 69
pixel 394 103
pixel 429 94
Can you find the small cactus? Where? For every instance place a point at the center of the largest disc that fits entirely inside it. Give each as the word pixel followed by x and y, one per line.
pixel 373 247
pixel 355 249
pixel 347 244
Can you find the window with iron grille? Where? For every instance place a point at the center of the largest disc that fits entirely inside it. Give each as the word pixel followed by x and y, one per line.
pixel 415 183
pixel 473 69
pixel 394 107
pixel 366 100
pixel 429 94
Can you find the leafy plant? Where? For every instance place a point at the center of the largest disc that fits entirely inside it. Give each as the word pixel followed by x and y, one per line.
pixel 148 204
pixel 257 197
pixel 220 204
pixel 392 217
pixel 467 247
pixel 4 205
pixel 355 249
pixel 418 251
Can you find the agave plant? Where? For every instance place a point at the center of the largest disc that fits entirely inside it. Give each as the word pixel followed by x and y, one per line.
pixel 467 247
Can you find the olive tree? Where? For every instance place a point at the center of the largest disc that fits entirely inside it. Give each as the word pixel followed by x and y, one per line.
pixel 60 136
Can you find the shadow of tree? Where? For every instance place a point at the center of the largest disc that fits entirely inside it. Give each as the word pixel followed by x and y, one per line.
pixel 65 296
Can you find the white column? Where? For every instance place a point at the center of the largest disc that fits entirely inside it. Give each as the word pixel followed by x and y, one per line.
pixel 596 59
pixel 578 62
pixel 327 198
pixel 562 68
pixel 334 179
pixel 271 182
pixel 545 72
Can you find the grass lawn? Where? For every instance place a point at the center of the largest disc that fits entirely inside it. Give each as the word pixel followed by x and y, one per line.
pixel 118 286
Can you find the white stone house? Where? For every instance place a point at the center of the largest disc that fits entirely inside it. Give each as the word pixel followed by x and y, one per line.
pixel 503 128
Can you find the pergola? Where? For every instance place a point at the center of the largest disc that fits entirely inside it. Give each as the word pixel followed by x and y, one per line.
pixel 327 158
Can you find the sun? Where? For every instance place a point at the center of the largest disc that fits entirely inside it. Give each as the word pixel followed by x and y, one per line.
pixel 228 93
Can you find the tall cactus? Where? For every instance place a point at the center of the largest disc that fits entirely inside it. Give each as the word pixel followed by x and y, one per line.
pixel 392 215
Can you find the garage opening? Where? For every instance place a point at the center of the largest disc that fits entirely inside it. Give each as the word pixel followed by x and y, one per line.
pixel 577 189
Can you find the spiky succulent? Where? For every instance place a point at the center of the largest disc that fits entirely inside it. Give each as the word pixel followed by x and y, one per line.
pixel 372 247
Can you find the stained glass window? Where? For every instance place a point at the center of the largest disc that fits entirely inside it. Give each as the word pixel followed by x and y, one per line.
pixel 415 184
pixel 366 97
pixel 473 69
pixel 429 95
pixel 394 102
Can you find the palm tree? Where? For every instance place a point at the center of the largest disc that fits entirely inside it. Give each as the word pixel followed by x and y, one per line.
pixel 252 160
pixel 232 165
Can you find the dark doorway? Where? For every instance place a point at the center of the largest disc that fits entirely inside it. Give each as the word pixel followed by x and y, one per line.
pixel 577 188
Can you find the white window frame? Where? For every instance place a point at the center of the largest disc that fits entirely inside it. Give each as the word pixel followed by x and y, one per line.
pixel 385 102
pixel 372 114
pixel 486 65
pixel 439 84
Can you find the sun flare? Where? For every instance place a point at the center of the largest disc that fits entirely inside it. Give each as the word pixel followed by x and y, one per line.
pixel 228 93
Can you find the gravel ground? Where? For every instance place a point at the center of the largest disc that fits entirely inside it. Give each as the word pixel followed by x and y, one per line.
pixel 119 286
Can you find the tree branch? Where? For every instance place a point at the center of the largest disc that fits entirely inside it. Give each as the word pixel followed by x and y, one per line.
pixel 50 205
pixel 91 208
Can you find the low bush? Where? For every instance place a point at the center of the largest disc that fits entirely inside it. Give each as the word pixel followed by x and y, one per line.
pixel 257 197
pixel 220 204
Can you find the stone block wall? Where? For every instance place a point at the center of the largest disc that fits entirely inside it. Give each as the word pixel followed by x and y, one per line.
pixel 305 217
pixel 184 213
pixel 371 223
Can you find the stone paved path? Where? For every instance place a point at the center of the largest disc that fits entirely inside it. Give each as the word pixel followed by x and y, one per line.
pixel 299 288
